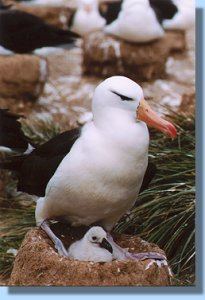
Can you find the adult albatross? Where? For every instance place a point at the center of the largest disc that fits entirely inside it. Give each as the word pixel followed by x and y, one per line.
pixel 93 176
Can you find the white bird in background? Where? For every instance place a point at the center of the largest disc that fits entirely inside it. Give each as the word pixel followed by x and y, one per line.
pixel 94 246
pixel 184 18
pixel 136 22
pixel 87 18
pixel 93 175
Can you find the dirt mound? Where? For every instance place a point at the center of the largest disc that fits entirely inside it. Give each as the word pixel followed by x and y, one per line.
pixel 38 263
pixel 22 76
pixel 176 39
pixel 107 56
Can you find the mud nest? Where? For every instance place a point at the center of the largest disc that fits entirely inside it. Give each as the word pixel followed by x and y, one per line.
pixel 105 56
pixel 22 76
pixel 38 264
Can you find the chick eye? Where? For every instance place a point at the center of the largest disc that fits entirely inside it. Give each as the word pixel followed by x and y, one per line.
pixel 94 238
pixel 123 98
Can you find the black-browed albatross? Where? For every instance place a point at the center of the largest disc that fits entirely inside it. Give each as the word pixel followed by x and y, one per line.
pixel 22 32
pixel 163 9
pixel 95 175
pixel 138 20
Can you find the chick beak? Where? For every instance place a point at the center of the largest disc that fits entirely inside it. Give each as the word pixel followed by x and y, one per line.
pixel 106 245
pixel 147 115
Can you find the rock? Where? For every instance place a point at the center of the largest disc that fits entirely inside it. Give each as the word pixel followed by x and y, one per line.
pixel 106 56
pixel 176 40
pixel 22 76
pixel 38 264
pixel 54 15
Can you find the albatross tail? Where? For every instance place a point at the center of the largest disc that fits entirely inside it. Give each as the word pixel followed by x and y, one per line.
pixel 12 138
pixel 57 37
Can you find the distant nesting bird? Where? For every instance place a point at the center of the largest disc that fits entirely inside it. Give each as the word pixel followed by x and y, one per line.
pixel 164 9
pixel 22 32
pixel 12 138
pixel 93 175
pixel 185 17
pixel 140 20
pixel 87 18
pixel 94 246
pixel 110 10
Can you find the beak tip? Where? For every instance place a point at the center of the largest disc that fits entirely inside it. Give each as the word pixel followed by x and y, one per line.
pixel 147 115
pixel 172 130
pixel 106 245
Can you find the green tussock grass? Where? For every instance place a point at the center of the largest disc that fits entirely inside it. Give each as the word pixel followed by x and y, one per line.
pixel 15 223
pixel 164 213
pixel 40 130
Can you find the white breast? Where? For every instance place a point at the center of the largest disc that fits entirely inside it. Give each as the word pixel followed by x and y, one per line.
pixel 100 178
pixel 83 251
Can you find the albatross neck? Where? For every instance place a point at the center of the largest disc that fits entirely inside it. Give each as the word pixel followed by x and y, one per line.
pixel 122 127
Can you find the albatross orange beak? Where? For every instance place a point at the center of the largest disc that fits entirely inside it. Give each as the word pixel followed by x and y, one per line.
pixel 147 115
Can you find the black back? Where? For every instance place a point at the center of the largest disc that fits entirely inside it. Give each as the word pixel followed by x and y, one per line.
pixel 110 11
pixel 164 9
pixel 22 32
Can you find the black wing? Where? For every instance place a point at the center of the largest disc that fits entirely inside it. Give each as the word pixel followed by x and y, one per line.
pixel 36 169
pixel 149 175
pixel 110 11
pixel 164 9
pixel 11 134
pixel 22 32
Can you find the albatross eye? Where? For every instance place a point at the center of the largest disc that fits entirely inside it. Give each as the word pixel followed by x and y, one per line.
pixel 123 98
pixel 94 238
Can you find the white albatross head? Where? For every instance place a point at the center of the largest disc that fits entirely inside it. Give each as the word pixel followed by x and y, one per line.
pixel 96 236
pixel 119 95
pixel 87 18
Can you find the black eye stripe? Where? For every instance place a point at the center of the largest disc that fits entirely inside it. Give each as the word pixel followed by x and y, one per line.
pixel 124 98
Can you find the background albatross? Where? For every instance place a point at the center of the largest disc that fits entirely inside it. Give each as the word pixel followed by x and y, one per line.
pixel 95 175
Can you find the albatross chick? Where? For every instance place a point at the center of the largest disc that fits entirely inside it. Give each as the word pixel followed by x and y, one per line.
pixel 94 246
